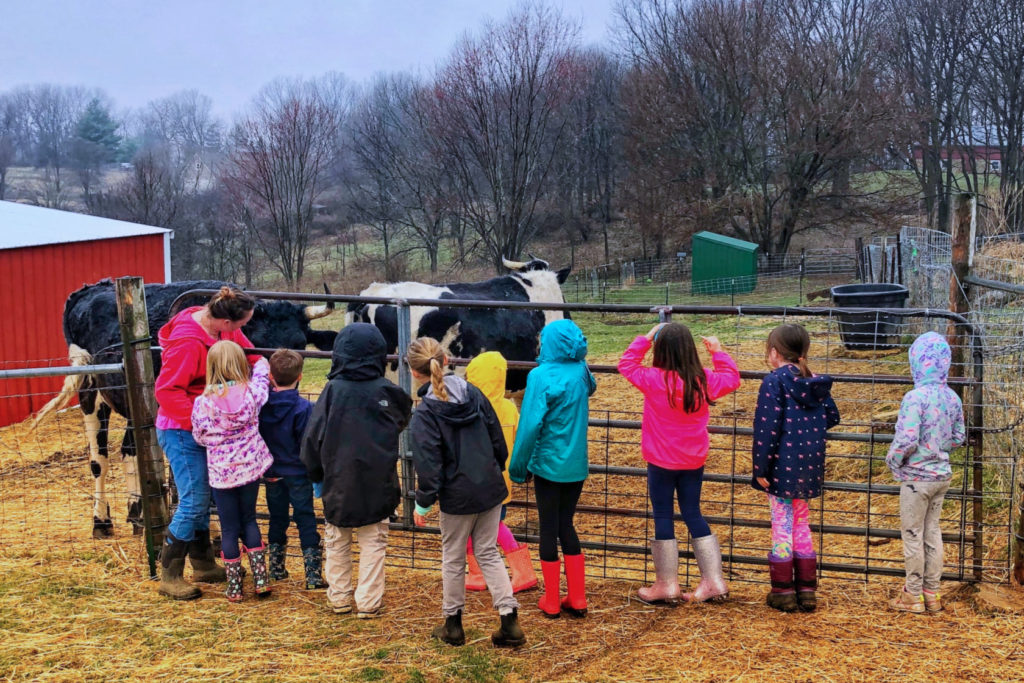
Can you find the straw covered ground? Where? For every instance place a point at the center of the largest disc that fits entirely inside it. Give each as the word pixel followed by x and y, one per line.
pixel 74 608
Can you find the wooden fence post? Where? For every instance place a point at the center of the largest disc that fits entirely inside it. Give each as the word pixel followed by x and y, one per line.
pixel 962 246
pixel 139 379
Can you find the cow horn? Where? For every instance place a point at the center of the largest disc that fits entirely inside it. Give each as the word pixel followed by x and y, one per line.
pixel 513 265
pixel 314 312
pixel 330 304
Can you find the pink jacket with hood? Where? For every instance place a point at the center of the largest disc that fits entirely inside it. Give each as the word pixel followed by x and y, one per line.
pixel 670 437
pixel 228 426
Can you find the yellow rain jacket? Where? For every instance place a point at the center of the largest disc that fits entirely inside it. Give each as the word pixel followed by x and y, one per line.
pixel 487 373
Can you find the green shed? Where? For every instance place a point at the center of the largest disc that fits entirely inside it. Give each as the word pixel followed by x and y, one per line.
pixel 723 265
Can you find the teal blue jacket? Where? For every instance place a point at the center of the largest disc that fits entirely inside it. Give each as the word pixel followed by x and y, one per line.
pixel 551 440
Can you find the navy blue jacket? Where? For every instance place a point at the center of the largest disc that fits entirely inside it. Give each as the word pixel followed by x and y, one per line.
pixel 793 413
pixel 283 420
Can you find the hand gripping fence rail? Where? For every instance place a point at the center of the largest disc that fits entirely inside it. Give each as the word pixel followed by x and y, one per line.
pixel 614 498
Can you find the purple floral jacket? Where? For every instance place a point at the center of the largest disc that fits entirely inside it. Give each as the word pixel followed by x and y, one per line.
pixel 228 426
pixel 931 420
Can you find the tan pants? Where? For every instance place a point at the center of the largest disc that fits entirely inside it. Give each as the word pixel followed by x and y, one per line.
pixel 373 540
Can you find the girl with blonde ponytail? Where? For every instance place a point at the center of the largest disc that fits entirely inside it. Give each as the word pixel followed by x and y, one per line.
pixel 459 453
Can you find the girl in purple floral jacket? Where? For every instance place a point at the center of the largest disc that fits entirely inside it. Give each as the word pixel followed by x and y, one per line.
pixel 225 419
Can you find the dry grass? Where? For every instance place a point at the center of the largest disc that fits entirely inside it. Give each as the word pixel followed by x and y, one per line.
pixel 72 608
pixel 90 615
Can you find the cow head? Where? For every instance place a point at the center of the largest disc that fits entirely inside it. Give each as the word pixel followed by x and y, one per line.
pixel 535 264
pixel 281 324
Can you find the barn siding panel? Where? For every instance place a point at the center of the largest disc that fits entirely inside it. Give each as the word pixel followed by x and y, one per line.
pixel 34 284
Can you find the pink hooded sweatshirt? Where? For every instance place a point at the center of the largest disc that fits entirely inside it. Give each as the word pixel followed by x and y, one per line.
pixel 670 437
pixel 228 426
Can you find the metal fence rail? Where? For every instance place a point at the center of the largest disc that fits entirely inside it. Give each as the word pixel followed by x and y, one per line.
pixel 855 522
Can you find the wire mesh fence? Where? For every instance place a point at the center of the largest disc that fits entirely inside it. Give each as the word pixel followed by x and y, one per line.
pixel 49 491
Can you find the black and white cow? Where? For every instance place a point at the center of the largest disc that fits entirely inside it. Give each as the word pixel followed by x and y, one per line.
pixel 466 332
pixel 93 336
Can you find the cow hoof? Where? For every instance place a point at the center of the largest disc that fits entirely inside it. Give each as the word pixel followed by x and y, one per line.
pixel 102 529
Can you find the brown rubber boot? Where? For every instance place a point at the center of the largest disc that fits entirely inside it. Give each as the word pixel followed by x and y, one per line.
pixel 172 566
pixel 201 555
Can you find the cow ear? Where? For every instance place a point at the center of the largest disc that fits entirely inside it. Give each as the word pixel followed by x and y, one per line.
pixel 563 275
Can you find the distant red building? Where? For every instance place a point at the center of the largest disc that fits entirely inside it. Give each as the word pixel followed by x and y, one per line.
pixel 969 159
pixel 45 255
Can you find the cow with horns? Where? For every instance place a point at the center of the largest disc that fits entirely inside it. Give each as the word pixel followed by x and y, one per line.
pixel 466 332
pixel 93 335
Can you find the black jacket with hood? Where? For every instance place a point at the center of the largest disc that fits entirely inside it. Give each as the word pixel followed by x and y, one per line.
pixel 792 415
pixel 351 443
pixel 458 450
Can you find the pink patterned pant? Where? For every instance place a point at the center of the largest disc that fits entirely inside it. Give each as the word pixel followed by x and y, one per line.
pixel 790 532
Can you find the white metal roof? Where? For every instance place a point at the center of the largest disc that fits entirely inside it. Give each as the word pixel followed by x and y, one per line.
pixel 23 225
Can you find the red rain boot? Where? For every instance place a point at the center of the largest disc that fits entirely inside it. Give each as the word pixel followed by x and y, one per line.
pixel 523 576
pixel 548 602
pixel 475 579
pixel 575 603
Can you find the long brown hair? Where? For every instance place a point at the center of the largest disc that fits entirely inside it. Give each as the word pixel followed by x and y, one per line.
pixel 676 354
pixel 426 357
pixel 230 303
pixel 225 363
pixel 792 343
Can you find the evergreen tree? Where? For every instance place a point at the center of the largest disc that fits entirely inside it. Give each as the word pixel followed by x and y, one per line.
pixel 98 131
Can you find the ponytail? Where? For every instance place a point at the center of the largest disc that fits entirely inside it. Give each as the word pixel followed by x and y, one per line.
pixel 792 343
pixel 426 357
pixel 437 380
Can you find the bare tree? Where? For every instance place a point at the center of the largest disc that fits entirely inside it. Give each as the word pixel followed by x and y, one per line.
pixel 934 52
pixel 185 121
pixel 1001 94
pixel 276 169
pixel 377 145
pixel 497 109
pixel 9 120
pixel 53 112
pixel 747 109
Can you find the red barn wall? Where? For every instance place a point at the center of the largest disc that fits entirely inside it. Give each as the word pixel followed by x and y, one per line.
pixel 34 284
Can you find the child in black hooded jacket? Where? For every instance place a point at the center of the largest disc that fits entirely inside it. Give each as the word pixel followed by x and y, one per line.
pixel 351 445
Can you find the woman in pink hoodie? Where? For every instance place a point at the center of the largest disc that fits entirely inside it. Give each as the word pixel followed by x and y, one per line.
pixel 674 442
pixel 225 419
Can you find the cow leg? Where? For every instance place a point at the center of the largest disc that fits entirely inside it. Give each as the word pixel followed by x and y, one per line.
pixel 97 419
pixel 130 462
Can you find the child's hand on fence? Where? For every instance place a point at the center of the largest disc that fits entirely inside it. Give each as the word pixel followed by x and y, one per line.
pixel 712 344
pixel 654 331
pixel 762 481
pixel 419 519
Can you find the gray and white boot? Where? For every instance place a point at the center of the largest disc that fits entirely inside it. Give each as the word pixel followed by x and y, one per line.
pixel 665 590
pixel 712 584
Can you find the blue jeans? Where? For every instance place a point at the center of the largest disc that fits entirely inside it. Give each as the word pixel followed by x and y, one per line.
pixel 236 509
pixel 297 491
pixel 188 465
pixel 686 484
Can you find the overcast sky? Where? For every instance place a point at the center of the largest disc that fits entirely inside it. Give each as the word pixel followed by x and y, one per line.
pixel 138 50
